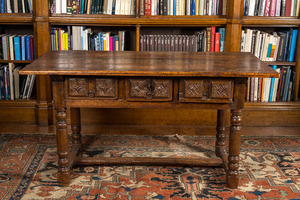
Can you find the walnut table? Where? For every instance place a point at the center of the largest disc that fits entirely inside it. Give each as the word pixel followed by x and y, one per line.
pixel 94 79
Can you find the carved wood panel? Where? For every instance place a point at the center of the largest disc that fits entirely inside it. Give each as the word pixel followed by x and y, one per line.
pixel 221 89
pixel 78 87
pixel 149 89
pixel 106 87
pixel 193 88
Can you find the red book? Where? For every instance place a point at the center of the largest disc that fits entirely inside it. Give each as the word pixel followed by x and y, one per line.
pixel 212 39
pixel 110 43
pixel 260 89
pixel 217 43
pixel 31 48
pixel 267 7
pixel 273 8
pixel 288 7
pixel 147 7
pixel 59 39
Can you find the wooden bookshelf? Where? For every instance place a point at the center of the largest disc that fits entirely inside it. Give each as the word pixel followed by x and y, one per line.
pixel 40 110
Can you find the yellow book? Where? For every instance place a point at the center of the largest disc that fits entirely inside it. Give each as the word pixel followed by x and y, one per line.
pixel 65 41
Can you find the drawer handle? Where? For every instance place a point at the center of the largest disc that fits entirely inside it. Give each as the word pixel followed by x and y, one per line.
pixel 149 95
pixel 91 94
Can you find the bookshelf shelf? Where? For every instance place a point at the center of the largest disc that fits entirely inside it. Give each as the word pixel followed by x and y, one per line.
pixel 281 105
pixel 13 18
pixel 271 21
pixel 18 103
pixel 281 63
pixel 16 61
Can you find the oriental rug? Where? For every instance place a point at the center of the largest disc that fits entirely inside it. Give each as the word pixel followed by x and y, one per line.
pixel 269 169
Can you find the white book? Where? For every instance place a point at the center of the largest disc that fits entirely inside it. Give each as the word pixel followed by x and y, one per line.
pixel 242 41
pixel 298 8
pixel 109 7
pixel 132 7
pixel 8 6
pixel 23 6
pixel 11 47
pixel 276 82
pixel 264 35
pixel 74 36
pixel 171 7
pixel 267 89
pixel 118 7
pixel 201 7
pixel 255 89
pixel 16 6
pixel 259 45
pixel 26 86
pixel 257 41
pixel 210 6
pixel 251 7
pixel 30 86
pixel 58 6
pixel 248 40
pixel 64 6
pixel 293 8
pixel 122 7
pixel 277 8
pixel 11 67
pixel 188 7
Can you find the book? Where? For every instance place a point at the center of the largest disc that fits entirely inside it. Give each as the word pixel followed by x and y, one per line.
pixel 293 45
pixel 272 85
pixel 17 48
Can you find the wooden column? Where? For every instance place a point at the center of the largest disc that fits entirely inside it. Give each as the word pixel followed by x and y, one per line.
pixel 42 45
pixel 234 27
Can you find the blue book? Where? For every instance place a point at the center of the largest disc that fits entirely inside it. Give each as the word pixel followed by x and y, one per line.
pixel 222 39
pixel 100 41
pixel 272 84
pixel 17 48
pixel 287 83
pixel 286 46
pixel 2 9
pixel 23 47
pixel 269 50
pixel 293 45
pixel 27 48
pixel 174 7
pixel 82 7
pixel 193 7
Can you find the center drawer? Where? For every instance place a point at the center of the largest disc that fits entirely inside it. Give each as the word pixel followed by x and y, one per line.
pixel 149 89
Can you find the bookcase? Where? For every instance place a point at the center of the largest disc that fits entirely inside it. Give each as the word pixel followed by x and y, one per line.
pixel 39 110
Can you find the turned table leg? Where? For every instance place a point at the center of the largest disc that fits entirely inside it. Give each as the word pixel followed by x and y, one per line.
pixel 63 175
pixel 221 136
pixel 232 175
pixel 75 125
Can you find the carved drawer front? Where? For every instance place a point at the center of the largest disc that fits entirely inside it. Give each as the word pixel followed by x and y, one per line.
pixel 206 89
pixel 93 87
pixel 149 89
pixel 78 87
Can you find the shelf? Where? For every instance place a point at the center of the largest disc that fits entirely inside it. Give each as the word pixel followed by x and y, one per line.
pixel 290 105
pixel 271 21
pixel 16 18
pixel 121 20
pixel 281 63
pixel 16 61
pixel 18 103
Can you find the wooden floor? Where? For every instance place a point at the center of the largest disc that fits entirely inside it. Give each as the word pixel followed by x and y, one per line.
pixel 149 130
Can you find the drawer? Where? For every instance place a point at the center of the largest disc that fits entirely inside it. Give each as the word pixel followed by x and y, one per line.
pixel 92 87
pixel 206 90
pixel 149 89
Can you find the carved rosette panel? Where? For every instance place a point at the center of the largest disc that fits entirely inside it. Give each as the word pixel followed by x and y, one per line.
pixel 161 88
pixel 78 87
pixel 221 89
pixel 105 87
pixel 138 88
pixel 193 88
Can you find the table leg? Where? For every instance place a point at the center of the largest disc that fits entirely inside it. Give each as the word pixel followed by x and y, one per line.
pixel 232 175
pixel 221 136
pixel 63 175
pixel 75 125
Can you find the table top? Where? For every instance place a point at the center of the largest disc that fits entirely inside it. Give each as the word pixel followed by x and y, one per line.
pixel 147 63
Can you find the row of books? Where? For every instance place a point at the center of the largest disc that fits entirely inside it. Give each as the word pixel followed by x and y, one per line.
pixel 272 89
pixel 106 7
pixel 16 47
pixel 82 38
pixel 277 46
pixel 271 8
pixel 206 40
pixel 15 6
pixel 14 86
pixel 183 7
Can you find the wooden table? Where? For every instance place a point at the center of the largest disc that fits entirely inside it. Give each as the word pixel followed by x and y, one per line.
pixel 93 79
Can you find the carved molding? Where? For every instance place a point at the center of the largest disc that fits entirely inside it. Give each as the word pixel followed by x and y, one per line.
pixel 78 87
pixel 221 89
pixel 105 87
pixel 161 88
pixel 193 88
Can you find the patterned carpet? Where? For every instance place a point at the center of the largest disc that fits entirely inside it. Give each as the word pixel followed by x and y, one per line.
pixel 269 169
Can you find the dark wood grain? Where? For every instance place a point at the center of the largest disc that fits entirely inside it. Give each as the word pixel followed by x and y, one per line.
pixel 150 64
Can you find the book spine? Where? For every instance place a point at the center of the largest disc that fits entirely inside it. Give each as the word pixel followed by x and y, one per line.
pixel 278 8
pixel 286 83
pixel 267 8
pixel 212 40
pixel 293 45
pixel 17 48
pixel 148 7
pixel 288 8
pixel 272 8
pixel 28 57
pixel 217 43
pixel 23 47
pixel 272 85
